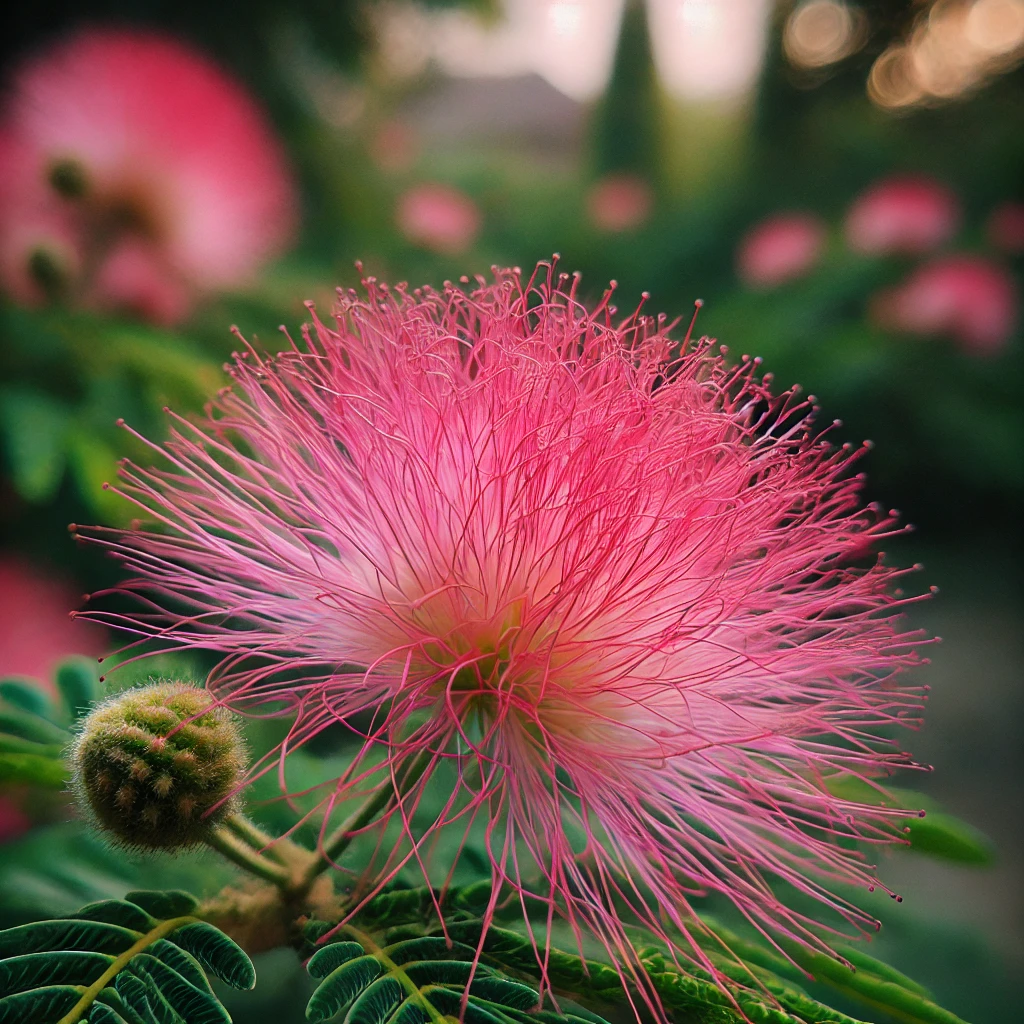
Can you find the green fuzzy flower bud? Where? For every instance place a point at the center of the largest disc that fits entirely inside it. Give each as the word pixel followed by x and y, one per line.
pixel 158 766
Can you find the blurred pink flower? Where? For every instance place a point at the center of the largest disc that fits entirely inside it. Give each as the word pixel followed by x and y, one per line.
pixel 36 630
pixel 780 249
pixel 13 820
pixel 394 146
pixel 600 573
pixel 619 202
pixel 907 215
pixel 1005 228
pixel 133 135
pixel 438 217
pixel 135 278
pixel 967 297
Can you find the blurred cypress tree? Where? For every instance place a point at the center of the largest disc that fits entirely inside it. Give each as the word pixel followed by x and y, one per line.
pixel 625 126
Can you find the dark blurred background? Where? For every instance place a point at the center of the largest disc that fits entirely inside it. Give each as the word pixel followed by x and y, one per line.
pixel 841 182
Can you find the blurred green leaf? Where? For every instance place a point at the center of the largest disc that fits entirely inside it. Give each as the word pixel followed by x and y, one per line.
pixel 948 838
pixel 77 680
pixel 35 428
pixel 33 769
pixel 935 834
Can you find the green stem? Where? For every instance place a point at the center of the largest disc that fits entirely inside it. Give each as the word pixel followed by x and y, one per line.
pixel 263 843
pixel 244 856
pixel 338 841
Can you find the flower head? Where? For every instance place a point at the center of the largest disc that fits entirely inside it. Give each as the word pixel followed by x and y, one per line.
pixel 133 140
pixel 902 215
pixel 438 217
pixel 604 583
pixel 619 202
pixel 1004 228
pixel 780 249
pixel 969 298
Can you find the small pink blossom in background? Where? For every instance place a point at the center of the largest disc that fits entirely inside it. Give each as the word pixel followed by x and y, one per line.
pixel 969 298
pixel 1005 228
pixel 607 577
pixel 394 146
pixel 438 217
pixel 36 630
pixel 909 215
pixel 170 152
pixel 14 821
pixel 780 249
pixel 135 279
pixel 619 202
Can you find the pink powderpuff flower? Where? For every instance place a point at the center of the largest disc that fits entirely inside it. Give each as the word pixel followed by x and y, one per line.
pixel 908 215
pixel 603 582
pixel 780 249
pixel 137 136
pixel 1005 228
pixel 438 217
pixel 969 298
pixel 619 202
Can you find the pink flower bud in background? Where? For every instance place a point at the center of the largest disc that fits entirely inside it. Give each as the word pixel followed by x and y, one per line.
pixel 13 820
pixel 1005 228
pixel 135 278
pixel 135 135
pixel 779 249
pixel 966 297
pixel 902 215
pixel 438 217
pixel 394 146
pixel 35 628
pixel 619 202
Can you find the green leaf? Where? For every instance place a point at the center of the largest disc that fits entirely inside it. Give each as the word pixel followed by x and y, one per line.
pixel 120 912
pixel 77 680
pixel 328 958
pixel 34 770
pixel 341 986
pixel 419 979
pixel 944 836
pixel 935 833
pixel 49 968
pixel 164 905
pixel 38 1006
pixel 184 963
pixel 217 953
pixel 40 936
pixel 110 1000
pixel 35 428
pixel 377 1002
pixel 136 997
pixel 27 695
pixel 71 967
pixel 508 993
pixel 19 723
pixel 103 1014
pixel 195 1005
